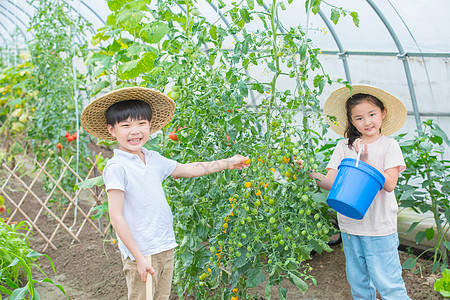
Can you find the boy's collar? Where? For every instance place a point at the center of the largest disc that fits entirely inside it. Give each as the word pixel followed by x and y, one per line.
pixel 118 152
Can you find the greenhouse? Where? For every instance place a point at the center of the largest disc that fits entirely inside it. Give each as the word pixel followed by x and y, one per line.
pixel 249 106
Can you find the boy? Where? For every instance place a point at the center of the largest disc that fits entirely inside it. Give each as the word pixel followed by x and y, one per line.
pixel 133 178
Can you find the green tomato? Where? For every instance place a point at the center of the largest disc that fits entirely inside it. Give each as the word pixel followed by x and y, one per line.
pixel 188 49
pixel 202 277
pixel 272 220
pixel 175 95
pixel 195 12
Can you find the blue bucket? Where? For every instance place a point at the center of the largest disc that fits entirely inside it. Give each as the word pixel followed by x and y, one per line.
pixel 354 188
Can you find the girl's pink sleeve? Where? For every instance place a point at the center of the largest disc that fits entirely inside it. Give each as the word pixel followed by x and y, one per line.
pixel 337 156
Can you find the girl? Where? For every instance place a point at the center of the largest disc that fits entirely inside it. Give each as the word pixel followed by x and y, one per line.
pixel 366 118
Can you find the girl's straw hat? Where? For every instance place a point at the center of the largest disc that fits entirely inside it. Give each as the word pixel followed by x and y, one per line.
pixel 335 106
pixel 93 117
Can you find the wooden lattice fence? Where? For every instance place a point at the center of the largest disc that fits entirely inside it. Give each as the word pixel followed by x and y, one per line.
pixel 23 193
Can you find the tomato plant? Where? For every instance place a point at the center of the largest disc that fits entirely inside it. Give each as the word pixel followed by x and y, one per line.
pixel 235 228
pixel 424 187
pixel 56 105
pixel 15 109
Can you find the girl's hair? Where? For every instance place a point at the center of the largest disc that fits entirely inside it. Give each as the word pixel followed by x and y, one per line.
pixel 351 132
pixel 133 109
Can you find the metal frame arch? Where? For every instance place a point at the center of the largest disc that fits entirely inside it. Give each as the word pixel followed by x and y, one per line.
pixel 3 38
pixel 342 53
pixel 72 8
pixel 404 57
pixel 12 21
pixel 11 34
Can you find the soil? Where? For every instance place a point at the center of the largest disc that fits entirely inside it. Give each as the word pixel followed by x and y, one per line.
pixel 92 269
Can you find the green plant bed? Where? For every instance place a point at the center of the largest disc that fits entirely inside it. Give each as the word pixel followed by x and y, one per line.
pixel 17 260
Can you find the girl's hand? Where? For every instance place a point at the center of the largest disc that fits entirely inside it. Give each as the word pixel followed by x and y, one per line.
pixel 358 144
pixel 144 268
pixel 237 162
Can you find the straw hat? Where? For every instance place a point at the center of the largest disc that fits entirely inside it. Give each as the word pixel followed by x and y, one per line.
pixel 93 117
pixel 335 106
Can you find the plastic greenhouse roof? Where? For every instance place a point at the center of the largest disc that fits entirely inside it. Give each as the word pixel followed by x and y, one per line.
pixel 421 26
pixel 402 46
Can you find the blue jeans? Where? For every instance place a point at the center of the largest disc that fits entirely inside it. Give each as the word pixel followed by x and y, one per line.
pixel 372 264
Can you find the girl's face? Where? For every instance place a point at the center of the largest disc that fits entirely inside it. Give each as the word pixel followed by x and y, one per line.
pixel 131 134
pixel 367 118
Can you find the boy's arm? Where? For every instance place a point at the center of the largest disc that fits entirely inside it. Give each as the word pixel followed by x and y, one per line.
pixel 197 169
pixel 115 205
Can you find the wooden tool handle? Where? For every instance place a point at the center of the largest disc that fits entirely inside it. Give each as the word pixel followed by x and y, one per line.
pixel 148 284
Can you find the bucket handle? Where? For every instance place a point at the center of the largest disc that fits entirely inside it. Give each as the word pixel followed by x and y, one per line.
pixel 359 155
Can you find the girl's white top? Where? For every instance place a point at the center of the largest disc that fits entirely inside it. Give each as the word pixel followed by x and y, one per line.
pixel 381 217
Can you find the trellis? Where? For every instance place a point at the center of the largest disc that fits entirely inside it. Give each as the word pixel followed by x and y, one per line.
pixel 59 221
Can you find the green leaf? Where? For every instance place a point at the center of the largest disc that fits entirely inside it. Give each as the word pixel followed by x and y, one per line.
pixel 213 32
pixel 251 4
pixel 429 233
pixel 439 132
pixel 355 17
pixel 272 67
pixel 129 70
pixel 282 293
pixel 20 293
pixel 420 236
pixel 130 19
pixel 267 291
pixel 260 2
pixel 33 254
pixel 413 225
pixel 335 14
pixel 446 244
pixel 153 33
pixel 245 15
pixel 147 62
pixel 98 87
pixel 135 49
pixel 255 277
pixel 96 181
pixel 410 263
pixel 299 283
pixel 115 4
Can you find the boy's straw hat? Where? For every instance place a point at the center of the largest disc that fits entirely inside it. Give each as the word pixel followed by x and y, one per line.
pixel 335 106
pixel 93 117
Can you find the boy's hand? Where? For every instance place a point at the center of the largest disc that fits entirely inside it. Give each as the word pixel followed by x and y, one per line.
pixel 144 267
pixel 237 162
pixel 299 162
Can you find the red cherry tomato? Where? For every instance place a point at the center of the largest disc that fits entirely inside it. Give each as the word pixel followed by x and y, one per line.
pixel 173 136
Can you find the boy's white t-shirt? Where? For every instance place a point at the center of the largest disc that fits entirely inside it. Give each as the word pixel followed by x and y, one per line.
pixel 381 217
pixel 145 210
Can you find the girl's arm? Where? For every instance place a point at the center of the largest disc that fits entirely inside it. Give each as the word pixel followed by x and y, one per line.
pixel 115 204
pixel 197 169
pixel 323 181
pixel 391 178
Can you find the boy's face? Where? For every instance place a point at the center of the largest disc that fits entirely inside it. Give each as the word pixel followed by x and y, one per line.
pixel 131 134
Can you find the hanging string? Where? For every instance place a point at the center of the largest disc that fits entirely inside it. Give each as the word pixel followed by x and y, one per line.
pixel 75 99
